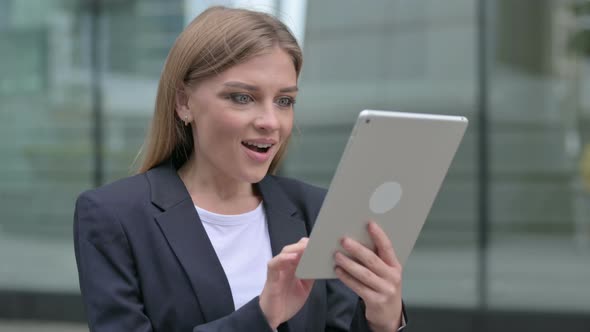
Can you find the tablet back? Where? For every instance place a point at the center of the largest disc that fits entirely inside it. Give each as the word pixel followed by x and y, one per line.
pixel 391 170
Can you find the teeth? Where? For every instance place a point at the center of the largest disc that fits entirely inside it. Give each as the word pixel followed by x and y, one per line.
pixel 259 145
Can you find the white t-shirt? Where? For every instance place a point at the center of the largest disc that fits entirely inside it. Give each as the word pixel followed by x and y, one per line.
pixel 243 247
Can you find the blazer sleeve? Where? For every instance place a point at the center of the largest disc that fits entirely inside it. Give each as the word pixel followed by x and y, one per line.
pixel 106 270
pixel 360 323
pixel 247 318
pixel 346 311
pixel 342 308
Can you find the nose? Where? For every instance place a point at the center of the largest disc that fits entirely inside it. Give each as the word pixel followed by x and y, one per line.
pixel 267 118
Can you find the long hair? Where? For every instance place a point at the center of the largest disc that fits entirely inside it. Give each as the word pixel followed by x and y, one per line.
pixel 217 39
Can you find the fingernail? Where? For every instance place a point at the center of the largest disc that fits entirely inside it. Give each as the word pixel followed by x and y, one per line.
pixel 371 225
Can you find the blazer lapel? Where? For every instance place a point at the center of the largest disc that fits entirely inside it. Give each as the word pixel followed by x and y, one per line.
pixel 188 239
pixel 285 226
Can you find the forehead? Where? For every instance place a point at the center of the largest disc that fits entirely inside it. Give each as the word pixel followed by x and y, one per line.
pixel 272 68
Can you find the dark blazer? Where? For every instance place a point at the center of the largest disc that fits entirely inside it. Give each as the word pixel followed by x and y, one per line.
pixel 146 264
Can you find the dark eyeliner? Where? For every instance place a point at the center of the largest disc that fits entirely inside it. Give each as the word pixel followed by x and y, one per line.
pixel 235 95
pixel 291 101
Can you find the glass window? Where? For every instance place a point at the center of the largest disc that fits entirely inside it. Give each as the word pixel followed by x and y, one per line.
pixel 45 142
pixel 78 85
pixel 394 55
pixel 136 36
pixel 540 240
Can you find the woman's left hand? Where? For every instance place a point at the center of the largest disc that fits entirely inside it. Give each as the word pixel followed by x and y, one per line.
pixel 375 276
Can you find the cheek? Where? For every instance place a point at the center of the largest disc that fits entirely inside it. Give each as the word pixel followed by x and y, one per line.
pixel 214 131
pixel 230 125
pixel 287 125
pixel 224 128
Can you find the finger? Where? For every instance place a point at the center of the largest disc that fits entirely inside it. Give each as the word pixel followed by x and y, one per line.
pixel 355 285
pixel 383 244
pixel 281 262
pixel 360 272
pixel 296 247
pixel 365 256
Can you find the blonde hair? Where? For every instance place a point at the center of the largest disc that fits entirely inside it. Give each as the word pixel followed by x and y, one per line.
pixel 215 40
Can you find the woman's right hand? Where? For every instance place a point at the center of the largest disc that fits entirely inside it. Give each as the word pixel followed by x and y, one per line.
pixel 284 294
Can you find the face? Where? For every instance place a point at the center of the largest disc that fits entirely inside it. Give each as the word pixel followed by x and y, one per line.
pixel 241 117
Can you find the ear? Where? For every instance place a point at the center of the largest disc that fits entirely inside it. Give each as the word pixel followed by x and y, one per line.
pixel 182 105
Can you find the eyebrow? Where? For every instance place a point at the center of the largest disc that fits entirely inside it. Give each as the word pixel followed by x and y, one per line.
pixel 249 87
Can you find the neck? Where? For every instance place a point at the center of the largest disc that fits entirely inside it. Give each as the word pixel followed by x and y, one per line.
pixel 217 192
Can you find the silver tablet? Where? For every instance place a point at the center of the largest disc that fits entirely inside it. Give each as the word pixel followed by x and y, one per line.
pixel 391 170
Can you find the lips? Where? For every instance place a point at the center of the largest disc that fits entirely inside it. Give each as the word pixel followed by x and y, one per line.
pixel 257 147
pixel 258 150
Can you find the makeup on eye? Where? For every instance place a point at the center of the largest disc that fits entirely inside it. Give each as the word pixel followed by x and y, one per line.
pixel 244 98
pixel 290 101
pixel 240 98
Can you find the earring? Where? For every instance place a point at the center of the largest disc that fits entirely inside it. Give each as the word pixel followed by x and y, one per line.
pixel 186 120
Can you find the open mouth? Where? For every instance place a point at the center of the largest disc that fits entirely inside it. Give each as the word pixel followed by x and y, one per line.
pixel 257 147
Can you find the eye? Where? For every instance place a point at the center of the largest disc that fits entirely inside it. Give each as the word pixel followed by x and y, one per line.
pixel 285 102
pixel 240 98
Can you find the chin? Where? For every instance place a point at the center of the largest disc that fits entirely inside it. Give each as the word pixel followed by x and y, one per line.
pixel 255 176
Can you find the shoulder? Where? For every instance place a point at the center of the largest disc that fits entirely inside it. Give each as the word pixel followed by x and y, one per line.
pixel 121 192
pixel 102 214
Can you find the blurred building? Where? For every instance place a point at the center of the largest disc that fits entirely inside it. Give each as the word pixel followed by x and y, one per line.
pixel 507 244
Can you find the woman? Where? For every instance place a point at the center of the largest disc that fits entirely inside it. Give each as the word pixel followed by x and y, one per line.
pixel 204 238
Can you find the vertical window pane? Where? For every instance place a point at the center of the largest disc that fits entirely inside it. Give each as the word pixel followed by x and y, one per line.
pixel 45 142
pixel 135 37
pixel 395 55
pixel 539 204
